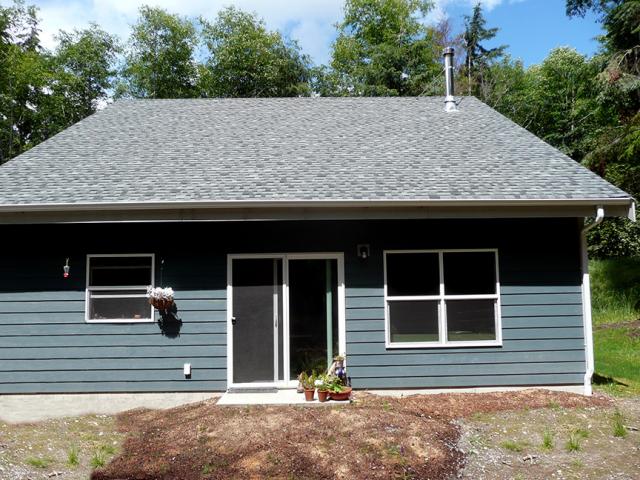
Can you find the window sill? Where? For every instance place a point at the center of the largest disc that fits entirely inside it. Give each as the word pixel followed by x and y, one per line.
pixel 408 345
pixel 122 320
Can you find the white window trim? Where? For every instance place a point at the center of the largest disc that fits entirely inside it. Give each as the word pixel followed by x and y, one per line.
pixel 89 289
pixel 441 298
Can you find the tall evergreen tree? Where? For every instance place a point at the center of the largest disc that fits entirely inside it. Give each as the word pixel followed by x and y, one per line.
pixel 478 57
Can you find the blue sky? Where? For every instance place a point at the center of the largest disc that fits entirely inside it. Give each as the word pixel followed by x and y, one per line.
pixel 531 28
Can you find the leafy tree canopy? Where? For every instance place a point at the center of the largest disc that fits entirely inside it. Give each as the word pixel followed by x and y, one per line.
pixel 247 60
pixel 159 59
pixel 384 48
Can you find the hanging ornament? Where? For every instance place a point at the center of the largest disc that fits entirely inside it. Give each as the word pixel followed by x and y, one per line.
pixel 66 269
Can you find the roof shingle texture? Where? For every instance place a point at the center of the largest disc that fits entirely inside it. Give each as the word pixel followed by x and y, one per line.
pixel 288 149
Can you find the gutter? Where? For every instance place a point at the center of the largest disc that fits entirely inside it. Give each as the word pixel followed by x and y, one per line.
pixel 586 298
pixel 207 204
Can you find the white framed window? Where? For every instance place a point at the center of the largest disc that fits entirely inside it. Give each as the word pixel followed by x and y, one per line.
pixel 442 298
pixel 117 288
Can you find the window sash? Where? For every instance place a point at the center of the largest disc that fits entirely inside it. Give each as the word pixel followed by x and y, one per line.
pixel 442 298
pixel 93 292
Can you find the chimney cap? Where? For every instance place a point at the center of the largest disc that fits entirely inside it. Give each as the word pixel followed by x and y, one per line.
pixel 448 51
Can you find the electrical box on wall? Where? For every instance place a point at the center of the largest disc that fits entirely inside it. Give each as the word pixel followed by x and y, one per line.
pixel 187 370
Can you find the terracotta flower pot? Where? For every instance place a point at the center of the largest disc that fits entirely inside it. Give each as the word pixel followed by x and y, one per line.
pixel 323 395
pixel 343 395
pixel 308 394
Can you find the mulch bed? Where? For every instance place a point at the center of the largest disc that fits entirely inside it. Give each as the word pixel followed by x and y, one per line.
pixel 374 438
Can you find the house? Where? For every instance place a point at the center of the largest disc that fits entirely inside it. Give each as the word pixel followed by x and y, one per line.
pixel 433 248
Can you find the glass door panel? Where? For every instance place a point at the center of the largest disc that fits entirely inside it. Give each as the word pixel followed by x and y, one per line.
pixel 256 318
pixel 313 314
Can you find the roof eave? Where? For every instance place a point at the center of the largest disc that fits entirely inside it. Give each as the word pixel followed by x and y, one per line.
pixel 628 202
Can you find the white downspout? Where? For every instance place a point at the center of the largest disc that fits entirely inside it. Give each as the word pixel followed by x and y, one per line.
pixel 586 301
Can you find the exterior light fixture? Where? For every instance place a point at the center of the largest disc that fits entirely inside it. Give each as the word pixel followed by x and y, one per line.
pixel 364 251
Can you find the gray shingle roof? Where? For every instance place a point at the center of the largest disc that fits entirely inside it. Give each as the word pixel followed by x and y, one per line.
pixel 295 149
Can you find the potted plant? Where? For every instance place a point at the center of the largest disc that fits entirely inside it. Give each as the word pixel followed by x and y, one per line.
pixel 308 383
pixel 322 384
pixel 337 390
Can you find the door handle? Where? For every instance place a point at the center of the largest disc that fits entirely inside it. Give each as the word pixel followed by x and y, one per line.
pixel 233 320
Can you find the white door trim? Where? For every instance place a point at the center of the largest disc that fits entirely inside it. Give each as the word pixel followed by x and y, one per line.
pixel 284 322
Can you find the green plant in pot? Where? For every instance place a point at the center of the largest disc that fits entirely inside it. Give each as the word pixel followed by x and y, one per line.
pixel 308 383
pixel 323 385
pixel 337 390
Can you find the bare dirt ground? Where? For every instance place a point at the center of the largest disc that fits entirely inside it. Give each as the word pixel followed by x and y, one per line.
pixel 473 436
pixel 375 437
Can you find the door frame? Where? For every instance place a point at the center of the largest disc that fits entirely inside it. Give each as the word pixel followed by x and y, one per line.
pixel 284 323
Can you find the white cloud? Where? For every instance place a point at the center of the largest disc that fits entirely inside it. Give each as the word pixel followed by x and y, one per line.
pixel 311 22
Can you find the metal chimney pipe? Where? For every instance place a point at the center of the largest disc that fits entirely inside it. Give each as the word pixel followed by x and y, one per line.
pixel 449 101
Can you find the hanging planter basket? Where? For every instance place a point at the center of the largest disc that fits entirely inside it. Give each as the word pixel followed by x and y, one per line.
pixel 161 304
pixel 160 298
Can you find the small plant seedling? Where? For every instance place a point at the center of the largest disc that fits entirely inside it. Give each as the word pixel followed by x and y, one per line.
pixel 72 457
pixel 39 462
pixel 554 405
pixel 207 468
pixel 577 463
pixel 582 432
pixel 547 440
pixel 393 450
pixel 98 460
pixel 386 406
pixel 573 444
pixel 512 446
pixel 618 424
pixel 108 449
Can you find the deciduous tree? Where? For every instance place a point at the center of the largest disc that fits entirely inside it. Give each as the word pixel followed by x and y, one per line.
pixel 247 60
pixel 384 47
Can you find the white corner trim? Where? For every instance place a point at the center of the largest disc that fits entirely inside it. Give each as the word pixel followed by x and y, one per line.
pixel 586 302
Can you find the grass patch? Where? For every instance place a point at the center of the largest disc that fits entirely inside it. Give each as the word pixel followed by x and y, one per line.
pixel 514 445
pixel 615 289
pixel 547 440
pixel 72 457
pixel 98 460
pixel 38 462
pixel 574 442
pixel 618 424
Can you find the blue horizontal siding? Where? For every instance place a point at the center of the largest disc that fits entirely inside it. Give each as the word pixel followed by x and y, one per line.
pixel 45 345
